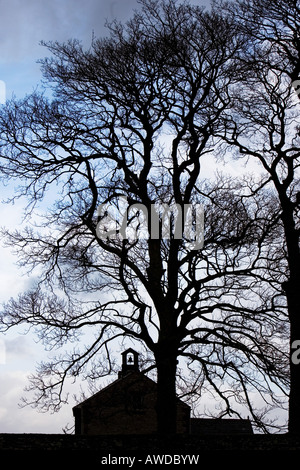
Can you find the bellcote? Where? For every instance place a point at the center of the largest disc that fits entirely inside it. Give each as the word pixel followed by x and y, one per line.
pixel 130 362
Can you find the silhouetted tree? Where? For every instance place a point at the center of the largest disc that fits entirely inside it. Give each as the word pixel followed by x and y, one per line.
pixel 273 30
pixel 264 125
pixel 129 122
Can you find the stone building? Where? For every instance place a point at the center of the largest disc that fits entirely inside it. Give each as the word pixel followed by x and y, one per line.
pixel 128 406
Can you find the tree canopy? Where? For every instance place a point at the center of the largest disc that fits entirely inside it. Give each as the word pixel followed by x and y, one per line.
pixel 124 130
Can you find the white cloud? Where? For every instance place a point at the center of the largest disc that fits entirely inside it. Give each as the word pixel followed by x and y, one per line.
pixel 2 351
pixel 11 279
pixel 14 419
pixel 19 347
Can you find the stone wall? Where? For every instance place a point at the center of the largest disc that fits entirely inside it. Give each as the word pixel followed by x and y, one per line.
pixel 102 446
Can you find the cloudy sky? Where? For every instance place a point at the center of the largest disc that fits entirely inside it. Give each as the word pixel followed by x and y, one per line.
pixel 24 23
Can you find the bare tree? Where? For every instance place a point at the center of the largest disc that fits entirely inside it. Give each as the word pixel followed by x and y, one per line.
pixel 264 126
pixel 273 29
pixel 128 123
pixel 243 329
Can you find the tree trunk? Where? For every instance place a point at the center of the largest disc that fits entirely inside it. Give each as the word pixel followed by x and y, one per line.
pixel 293 302
pixel 166 362
pixel 294 315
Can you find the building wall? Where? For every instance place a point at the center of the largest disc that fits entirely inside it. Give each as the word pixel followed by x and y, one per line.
pixel 125 407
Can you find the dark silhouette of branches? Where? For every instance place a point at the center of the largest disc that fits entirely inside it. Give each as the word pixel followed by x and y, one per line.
pixel 130 121
pixel 263 126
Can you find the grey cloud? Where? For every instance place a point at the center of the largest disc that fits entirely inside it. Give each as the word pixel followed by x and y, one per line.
pixel 25 23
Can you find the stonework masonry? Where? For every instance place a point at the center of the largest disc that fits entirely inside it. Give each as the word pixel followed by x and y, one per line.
pixel 122 445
